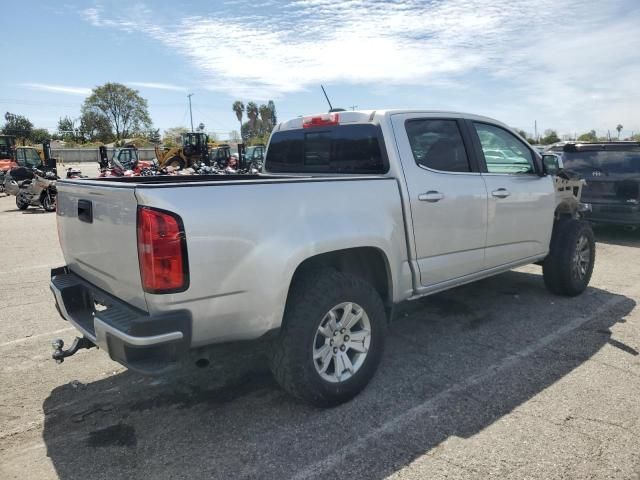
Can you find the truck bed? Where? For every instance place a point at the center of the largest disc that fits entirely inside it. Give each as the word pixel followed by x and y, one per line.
pixel 243 243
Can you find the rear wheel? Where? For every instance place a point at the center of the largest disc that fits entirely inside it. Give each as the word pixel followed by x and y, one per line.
pixel 332 338
pixel 22 202
pixel 175 162
pixel 569 265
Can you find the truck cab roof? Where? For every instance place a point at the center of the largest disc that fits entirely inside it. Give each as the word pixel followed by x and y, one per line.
pixel 369 116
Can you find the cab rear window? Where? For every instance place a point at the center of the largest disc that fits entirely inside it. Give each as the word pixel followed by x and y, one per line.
pixel 336 149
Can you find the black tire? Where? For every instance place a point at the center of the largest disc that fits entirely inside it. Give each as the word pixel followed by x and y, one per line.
pixel 48 202
pixel 175 162
pixel 312 296
pixel 563 272
pixel 21 203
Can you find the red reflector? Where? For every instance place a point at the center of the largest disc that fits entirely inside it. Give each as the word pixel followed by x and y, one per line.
pixel 162 251
pixel 321 120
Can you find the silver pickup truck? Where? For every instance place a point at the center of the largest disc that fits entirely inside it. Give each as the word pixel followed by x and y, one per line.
pixel 353 213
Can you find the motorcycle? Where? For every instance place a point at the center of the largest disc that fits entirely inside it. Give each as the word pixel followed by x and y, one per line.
pixel 38 192
pixel 75 173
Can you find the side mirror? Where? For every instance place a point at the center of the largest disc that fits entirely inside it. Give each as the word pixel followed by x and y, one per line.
pixel 552 163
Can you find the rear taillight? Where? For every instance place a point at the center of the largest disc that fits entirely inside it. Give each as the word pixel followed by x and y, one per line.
pixel 162 251
pixel 321 120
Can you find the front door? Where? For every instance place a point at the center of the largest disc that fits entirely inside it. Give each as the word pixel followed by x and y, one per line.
pixel 448 198
pixel 519 221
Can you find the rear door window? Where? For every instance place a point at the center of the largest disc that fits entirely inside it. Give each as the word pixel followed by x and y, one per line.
pixel 438 145
pixel 339 149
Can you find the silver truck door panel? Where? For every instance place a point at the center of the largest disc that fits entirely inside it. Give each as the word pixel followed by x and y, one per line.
pixel 448 211
pixel 519 200
pixel 519 223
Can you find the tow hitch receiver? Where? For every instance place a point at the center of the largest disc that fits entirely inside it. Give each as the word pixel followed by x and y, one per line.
pixel 59 354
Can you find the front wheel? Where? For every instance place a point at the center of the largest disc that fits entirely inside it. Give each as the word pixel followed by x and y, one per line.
pixel 175 162
pixel 569 265
pixel 332 338
pixel 48 202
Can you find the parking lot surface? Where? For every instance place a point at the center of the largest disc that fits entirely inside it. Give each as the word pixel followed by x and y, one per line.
pixel 494 379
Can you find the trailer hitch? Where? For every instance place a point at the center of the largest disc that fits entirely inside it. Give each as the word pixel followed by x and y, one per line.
pixel 78 343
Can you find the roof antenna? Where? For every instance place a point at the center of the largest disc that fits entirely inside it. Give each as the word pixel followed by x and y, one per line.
pixel 331 109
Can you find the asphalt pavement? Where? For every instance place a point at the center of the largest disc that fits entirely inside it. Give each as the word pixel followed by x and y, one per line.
pixel 494 379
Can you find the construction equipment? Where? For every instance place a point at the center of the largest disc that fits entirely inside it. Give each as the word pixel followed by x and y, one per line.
pixel 194 148
pixel 7 157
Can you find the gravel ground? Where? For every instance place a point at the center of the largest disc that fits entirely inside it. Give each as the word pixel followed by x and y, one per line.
pixel 498 378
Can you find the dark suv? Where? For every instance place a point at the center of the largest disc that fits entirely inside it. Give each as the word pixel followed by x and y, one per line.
pixel 612 172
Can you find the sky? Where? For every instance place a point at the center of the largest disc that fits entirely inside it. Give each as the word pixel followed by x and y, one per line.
pixel 570 65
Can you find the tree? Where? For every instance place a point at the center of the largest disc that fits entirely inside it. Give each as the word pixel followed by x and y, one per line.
pixel 172 136
pixel 17 125
pixel 125 110
pixel 272 109
pixel 550 136
pixel 619 128
pixel 238 108
pixel 67 129
pixel 590 136
pixel 154 136
pixel 39 135
pixel 252 113
pixel 265 116
pixel 234 136
pixel 95 126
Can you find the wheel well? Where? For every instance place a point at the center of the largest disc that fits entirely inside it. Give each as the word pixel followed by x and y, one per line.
pixel 368 263
pixel 566 209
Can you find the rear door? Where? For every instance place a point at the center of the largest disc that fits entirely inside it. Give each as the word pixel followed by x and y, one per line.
pixel 520 202
pixel 448 198
pixel 98 236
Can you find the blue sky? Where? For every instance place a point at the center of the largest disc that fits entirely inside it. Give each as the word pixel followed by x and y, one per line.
pixel 571 65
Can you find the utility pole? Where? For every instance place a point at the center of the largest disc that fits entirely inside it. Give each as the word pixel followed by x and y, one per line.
pixel 535 129
pixel 190 113
pixel 353 107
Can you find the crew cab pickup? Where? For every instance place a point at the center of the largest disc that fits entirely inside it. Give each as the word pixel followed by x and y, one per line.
pixel 353 213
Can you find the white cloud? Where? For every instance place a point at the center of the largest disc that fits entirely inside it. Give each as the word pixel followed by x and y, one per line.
pixel 549 55
pixel 157 86
pixel 57 88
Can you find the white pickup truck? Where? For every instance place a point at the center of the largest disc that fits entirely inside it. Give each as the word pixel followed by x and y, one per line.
pixel 353 213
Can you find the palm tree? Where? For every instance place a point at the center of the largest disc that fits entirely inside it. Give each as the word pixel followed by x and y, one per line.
pixel 619 129
pixel 238 108
pixel 252 113
pixel 272 109
pixel 265 115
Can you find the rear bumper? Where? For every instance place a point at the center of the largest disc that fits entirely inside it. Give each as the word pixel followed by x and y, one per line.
pixel 146 343
pixel 614 214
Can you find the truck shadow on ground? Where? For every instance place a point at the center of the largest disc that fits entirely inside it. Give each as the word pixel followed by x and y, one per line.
pixel 455 363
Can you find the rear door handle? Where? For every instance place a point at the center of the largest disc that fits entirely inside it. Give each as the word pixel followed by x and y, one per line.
pixel 431 196
pixel 501 193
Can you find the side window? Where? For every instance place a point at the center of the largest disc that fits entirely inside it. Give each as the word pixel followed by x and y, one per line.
pixel 503 151
pixel 438 145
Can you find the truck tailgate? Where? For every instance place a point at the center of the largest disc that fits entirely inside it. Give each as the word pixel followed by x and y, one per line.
pixel 97 230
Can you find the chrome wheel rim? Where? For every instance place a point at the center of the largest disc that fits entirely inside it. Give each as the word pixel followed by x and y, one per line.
pixel 581 258
pixel 341 342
